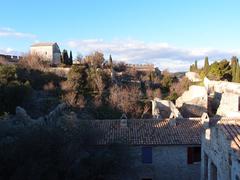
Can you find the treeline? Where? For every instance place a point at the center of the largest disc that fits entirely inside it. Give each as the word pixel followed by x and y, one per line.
pixel 97 88
pixel 219 70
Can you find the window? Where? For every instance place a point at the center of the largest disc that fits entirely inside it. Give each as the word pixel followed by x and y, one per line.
pixel 193 155
pixel 147 155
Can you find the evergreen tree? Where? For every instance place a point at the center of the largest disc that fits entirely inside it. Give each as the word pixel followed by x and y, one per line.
pixel 70 61
pixel 65 56
pixel 237 76
pixel 234 62
pixel 110 61
pixel 195 66
pixel 206 66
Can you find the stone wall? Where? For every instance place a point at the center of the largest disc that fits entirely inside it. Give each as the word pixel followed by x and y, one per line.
pixel 194 102
pixel 216 150
pixel 228 94
pixel 168 163
pixel 229 105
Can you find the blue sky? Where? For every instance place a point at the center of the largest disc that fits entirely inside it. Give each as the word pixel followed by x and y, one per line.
pixel 169 33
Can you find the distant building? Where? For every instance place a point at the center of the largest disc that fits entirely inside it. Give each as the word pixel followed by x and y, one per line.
pixel 221 150
pixel 167 149
pixel 49 51
pixel 141 67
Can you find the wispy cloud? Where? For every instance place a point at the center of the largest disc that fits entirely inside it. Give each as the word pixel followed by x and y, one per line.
pixel 9 32
pixel 162 55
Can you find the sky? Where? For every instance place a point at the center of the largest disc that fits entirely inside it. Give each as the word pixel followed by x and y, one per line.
pixel 171 34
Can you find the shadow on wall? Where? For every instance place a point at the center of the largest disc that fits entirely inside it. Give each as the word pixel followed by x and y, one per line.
pixel 190 110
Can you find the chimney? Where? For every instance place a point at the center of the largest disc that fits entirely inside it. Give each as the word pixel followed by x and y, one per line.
pixel 172 120
pixel 123 121
pixel 205 120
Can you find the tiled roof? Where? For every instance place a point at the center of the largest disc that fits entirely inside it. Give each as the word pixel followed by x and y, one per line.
pixel 43 44
pixel 231 128
pixel 149 132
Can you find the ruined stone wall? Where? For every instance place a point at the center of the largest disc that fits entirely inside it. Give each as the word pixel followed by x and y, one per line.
pixel 194 102
pixel 216 149
pixel 163 109
pixel 229 105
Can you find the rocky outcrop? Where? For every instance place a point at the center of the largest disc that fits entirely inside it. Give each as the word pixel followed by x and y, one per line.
pixel 162 109
pixel 194 102
pixel 193 76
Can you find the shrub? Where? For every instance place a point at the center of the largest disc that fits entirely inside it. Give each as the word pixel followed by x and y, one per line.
pixel 127 100
pixel 12 91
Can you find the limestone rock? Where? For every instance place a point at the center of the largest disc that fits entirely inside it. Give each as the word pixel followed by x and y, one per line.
pixel 193 76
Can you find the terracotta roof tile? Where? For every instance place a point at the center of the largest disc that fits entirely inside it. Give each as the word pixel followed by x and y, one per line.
pixel 150 132
pixel 231 128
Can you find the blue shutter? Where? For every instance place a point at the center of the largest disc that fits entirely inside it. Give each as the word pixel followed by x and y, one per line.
pixel 146 154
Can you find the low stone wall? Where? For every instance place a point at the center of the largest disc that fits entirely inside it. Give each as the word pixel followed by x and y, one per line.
pixel 162 109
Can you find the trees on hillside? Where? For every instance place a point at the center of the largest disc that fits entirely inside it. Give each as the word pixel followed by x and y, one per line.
pixel 206 66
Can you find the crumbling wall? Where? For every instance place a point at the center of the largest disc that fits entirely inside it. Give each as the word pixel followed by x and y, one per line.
pixel 162 109
pixel 194 102
pixel 216 149
pixel 227 94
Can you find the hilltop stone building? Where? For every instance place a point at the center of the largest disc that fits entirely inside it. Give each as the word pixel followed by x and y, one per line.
pixel 221 150
pixel 167 149
pixel 49 51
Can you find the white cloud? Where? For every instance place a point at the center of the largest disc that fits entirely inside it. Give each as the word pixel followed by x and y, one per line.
pixel 161 55
pixel 9 32
pixel 10 51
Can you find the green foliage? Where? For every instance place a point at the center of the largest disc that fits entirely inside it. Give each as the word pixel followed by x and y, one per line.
pixel 70 60
pixel 78 79
pixel 65 57
pixel 7 73
pixel 237 76
pixel 195 65
pixel 110 61
pixel 12 91
pixel 206 66
pixel 220 70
